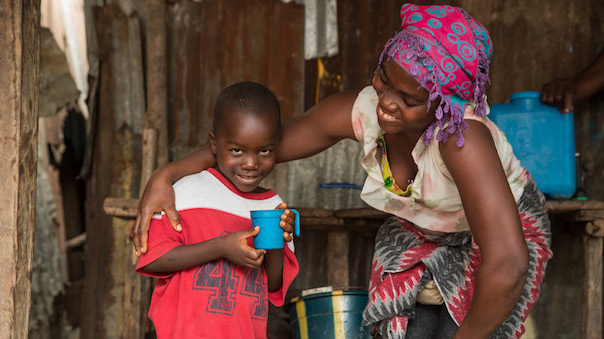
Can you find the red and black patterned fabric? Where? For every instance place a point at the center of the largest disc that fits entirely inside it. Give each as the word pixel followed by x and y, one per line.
pixel 406 259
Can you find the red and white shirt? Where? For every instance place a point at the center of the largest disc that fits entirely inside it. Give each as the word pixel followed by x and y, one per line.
pixel 217 299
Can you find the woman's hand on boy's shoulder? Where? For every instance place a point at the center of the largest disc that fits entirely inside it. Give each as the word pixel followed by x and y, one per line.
pixel 236 249
pixel 158 196
pixel 287 221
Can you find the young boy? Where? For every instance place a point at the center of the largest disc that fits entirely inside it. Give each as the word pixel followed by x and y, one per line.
pixel 212 283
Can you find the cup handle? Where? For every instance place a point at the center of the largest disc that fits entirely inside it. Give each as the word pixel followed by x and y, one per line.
pixel 296 222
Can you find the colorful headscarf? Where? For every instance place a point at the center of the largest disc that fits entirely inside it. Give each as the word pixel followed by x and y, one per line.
pixel 448 53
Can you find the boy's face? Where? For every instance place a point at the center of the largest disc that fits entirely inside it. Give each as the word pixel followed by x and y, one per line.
pixel 245 148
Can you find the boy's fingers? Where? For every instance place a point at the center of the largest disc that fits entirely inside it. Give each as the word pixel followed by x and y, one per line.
pixel 286 226
pixel 281 206
pixel 252 232
pixel 258 261
pixel 287 236
pixel 288 216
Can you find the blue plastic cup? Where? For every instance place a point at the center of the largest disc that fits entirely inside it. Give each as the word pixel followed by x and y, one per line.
pixel 271 234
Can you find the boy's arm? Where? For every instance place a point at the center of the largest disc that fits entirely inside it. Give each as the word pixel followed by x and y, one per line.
pixel 187 256
pixel 232 247
pixel 273 265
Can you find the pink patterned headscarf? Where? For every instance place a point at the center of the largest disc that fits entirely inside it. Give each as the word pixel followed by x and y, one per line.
pixel 448 53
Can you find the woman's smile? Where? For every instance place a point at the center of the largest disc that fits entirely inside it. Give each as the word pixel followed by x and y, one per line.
pixel 385 116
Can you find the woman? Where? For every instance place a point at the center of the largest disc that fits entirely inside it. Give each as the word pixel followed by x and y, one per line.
pixel 467 246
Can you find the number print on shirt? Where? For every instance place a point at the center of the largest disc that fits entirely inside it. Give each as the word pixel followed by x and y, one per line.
pixel 255 287
pixel 221 279
pixel 218 277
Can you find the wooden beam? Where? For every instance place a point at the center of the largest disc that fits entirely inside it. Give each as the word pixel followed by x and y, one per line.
pixel 561 206
pixel 120 207
pixel 137 287
pixel 19 96
pixel 592 288
pixel 362 213
pixel 76 241
pixel 157 77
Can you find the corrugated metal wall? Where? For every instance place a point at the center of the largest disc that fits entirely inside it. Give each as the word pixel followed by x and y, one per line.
pixel 212 44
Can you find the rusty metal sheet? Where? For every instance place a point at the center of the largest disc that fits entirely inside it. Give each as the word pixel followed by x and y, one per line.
pixel 213 44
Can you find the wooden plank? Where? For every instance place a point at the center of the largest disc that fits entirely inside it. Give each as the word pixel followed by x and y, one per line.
pixel 321 223
pixel 595 228
pixel 592 288
pixel 19 95
pixel 363 213
pixel 315 212
pixel 157 77
pixel 559 206
pixel 120 207
pixel 97 261
pixel 337 259
pixel 136 298
pixel 76 241
pixel 115 169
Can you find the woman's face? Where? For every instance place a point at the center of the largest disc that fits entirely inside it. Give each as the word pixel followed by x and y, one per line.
pixel 403 104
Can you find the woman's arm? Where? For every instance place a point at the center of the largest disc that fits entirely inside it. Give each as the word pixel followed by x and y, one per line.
pixel 495 224
pixel 232 247
pixel 321 127
pixel 159 194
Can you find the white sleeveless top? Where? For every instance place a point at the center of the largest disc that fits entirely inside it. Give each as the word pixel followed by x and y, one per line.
pixel 434 202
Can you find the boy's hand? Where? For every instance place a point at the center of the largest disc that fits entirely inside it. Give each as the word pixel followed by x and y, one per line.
pixel 237 251
pixel 287 222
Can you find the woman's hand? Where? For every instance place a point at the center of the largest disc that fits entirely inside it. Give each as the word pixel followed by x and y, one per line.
pixel 237 250
pixel 287 221
pixel 158 196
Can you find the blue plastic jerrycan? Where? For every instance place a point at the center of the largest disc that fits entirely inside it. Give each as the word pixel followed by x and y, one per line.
pixel 543 140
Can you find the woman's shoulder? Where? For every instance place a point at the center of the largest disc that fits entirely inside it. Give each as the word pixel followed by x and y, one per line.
pixel 476 138
pixel 364 116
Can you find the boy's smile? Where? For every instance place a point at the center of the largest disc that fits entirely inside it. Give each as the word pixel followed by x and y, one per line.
pixel 245 149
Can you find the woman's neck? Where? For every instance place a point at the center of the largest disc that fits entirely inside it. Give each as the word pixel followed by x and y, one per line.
pixel 409 137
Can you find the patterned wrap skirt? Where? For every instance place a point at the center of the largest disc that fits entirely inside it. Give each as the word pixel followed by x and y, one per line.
pixel 405 259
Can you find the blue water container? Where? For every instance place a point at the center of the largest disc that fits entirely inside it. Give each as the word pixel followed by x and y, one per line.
pixel 329 315
pixel 543 140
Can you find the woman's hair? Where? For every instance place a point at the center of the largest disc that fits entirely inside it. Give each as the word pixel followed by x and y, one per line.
pixel 246 98
pixel 448 53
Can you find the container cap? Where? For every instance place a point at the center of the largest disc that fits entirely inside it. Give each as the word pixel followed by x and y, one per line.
pixel 525 95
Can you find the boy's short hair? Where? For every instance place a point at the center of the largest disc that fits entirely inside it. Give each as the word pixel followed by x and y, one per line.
pixel 248 98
